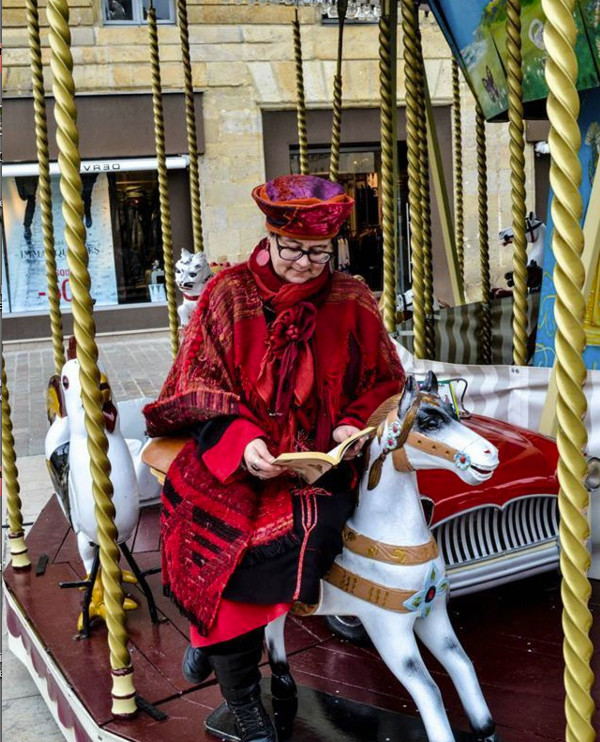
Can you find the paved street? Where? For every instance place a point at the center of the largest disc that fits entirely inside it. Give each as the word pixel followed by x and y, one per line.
pixel 136 366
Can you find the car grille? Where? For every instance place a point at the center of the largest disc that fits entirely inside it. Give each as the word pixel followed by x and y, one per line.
pixel 489 531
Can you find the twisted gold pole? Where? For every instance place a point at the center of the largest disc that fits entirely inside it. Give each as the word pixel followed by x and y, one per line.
pixel 567 245
pixel 409 32
pixel 425 199
pixel 10 486
pixel 190 123
pixel 517 178
pixel 87 351
pixel 459 214
pixel 41 138
pixel 336 127
pixel 163 183
pixel 300 100
pixel 484 246
pixel 387 63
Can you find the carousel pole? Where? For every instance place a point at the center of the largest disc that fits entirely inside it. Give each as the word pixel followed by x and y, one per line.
pixel 459 215
pixel 10 479
pixel 123 691
pixel 484 247
pixel 411 77
pixel 190 123
pixel 517 178
pixel 569 276
pixel 163 185
pixel 41 137
pixel 336 127
pixel 300 100
pixel 425 200
pixel 388 24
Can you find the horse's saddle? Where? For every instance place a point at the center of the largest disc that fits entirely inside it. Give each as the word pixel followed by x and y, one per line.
pixel 160 452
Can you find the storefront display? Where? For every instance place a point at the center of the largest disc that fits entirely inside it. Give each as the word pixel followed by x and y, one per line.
pixel 123 238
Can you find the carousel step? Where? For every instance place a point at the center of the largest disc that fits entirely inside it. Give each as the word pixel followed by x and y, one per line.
pixel 322 717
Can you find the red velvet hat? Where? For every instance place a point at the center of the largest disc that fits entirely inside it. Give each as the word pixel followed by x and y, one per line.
pixel 303 206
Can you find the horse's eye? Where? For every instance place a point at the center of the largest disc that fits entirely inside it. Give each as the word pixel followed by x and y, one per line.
pixel 193 275
pixel 65 382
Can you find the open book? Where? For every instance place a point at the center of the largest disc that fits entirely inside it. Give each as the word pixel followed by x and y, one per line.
pixel 311 465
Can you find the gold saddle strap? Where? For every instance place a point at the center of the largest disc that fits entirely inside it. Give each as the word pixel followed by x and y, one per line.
pixel 389 598
pixel 389 553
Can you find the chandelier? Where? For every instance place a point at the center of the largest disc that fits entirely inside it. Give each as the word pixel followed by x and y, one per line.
pixel 359 12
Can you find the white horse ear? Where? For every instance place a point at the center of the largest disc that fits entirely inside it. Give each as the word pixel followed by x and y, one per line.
pixel 408 395
pixel 185 254
pixel 431 383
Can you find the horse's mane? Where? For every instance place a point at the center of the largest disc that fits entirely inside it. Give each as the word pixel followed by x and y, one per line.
pixel 382 411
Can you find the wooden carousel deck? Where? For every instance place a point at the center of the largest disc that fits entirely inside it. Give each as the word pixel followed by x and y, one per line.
pixel 512 634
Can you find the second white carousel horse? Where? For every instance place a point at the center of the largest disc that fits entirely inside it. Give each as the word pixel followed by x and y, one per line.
pixel 390 573
pixel 69 464
pixel 192 272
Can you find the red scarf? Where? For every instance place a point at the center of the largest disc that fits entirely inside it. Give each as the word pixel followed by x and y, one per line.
pixel 289 356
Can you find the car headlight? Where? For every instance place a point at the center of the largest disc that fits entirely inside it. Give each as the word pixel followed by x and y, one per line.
pixel 592 481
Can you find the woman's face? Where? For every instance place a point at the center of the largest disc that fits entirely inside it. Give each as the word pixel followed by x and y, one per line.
pixel 302 269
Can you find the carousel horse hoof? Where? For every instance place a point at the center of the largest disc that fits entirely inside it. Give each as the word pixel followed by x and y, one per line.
pixel 487 736
pixel 195 666
pixel 283 685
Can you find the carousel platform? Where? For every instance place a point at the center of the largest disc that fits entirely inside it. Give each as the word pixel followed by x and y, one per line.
pixel 513 635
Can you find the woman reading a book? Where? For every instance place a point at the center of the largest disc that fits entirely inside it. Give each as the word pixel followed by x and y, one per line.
pixel 282 354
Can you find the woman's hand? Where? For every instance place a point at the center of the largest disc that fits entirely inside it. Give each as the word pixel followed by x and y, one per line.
pixel 259 461
pixel 345 431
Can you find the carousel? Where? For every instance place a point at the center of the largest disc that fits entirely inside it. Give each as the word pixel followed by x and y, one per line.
pixel 512 529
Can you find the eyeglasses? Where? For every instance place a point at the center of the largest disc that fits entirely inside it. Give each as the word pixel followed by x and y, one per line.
pixel 320 257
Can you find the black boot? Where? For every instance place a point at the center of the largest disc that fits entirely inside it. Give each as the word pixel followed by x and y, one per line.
pixel 252 722
pixel 195 666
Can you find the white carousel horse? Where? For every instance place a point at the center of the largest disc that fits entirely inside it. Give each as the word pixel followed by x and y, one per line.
pixel 390 573
pixel 69 462
pixel 192 272
pixel 69 465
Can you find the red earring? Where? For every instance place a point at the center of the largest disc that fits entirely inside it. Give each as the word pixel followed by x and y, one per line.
pixel 263 257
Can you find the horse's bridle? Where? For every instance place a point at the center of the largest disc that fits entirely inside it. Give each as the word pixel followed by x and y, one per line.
pixel 396 435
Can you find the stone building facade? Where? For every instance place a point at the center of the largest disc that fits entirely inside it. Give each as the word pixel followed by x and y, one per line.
pixel 243 65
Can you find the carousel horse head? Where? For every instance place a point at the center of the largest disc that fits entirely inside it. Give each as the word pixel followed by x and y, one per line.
pixel 422 431
pixel 192 271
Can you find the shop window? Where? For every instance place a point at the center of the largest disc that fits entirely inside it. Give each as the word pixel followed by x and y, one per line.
pixel 137 238
pixel 123 240
pixel 360 173
pixel 136 11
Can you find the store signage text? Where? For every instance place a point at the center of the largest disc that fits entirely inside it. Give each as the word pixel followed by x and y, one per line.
pixel 98 167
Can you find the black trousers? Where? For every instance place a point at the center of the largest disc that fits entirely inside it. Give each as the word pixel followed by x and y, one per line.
pixel 236 662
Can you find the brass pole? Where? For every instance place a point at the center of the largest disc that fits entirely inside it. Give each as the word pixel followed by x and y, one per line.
pixel 10 486
pixel 388 24
pixel 425 199
pixel 517 178
pixel 484 247
pixel 409 32
pixel 300 100
pixel 123 692
pixel 567 245
pixel 44 191
pixel 190 124
pixel 336 127
pixel 163 183
pixel 459 215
